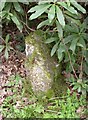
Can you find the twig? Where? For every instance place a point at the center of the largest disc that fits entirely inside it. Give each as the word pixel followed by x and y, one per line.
pixel 27 26
pixel 70 60
pixel 81 69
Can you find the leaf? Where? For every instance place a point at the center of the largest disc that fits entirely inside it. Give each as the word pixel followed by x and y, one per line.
pixel 78 6
pixel 16 21
pixel 39 108
pixel 73 44
pixel 52 39
pixel 1 47
pixel 69 38
pixel 8 7
pixel 18 7
pixel 70 9
pixel 2 5
pixel 86 68
pixel 85 36
pixel 72 20
pixel 81 43
pixel 46 22
pixel 72 28
pixel 6 53
pixel 7 38
pixel 37 7
pixel 54 49
pixel 59 29
pixel 51 13
pixel 60 16
pixel 60 51
pixel 40 10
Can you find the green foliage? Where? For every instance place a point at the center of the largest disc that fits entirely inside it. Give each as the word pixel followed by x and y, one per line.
pixel 71 37
pixel 11 11
pixel 64 107
pixel 6 47
pixel 69 41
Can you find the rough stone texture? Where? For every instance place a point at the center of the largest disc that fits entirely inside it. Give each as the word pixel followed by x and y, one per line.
pixel 41 67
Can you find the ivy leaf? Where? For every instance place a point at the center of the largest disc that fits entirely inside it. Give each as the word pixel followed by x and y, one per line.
pixel 60 16
pixel 40 10
pixel 52 39
pixel 51 13
pixel 73 44
pixel 54 49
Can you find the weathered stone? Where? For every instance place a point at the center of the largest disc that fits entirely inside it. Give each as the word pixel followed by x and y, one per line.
pixel 42 69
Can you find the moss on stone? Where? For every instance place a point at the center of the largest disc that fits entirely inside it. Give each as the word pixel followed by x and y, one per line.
pixel 49 80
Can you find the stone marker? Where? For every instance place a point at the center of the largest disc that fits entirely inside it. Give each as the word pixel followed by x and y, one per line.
pixel 42 69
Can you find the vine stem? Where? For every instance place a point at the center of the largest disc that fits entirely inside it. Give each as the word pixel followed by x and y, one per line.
pixel 27 26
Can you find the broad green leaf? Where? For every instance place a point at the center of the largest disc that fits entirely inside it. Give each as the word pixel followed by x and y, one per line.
pixel 51 13
pixel 2 14
pixel 72 15
pixel 46 22
pixel 75 87
pixel 1 47
pixel 18 7
pixel 60 16
pixel 69 38
pixel 60 51
pixel 85 36
pixel 39 11
pixel 6 53
pixel 54 49
pixel 70 19
pixel 25 1
pixel 70 9
pixel 78 6
pixel 8 6
pixel 52 39
pixel 59 29
pixel 15 20
pixel 81 43
pixel 37 7
pixel 73 44
pixel 71 28
pixel 2 4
